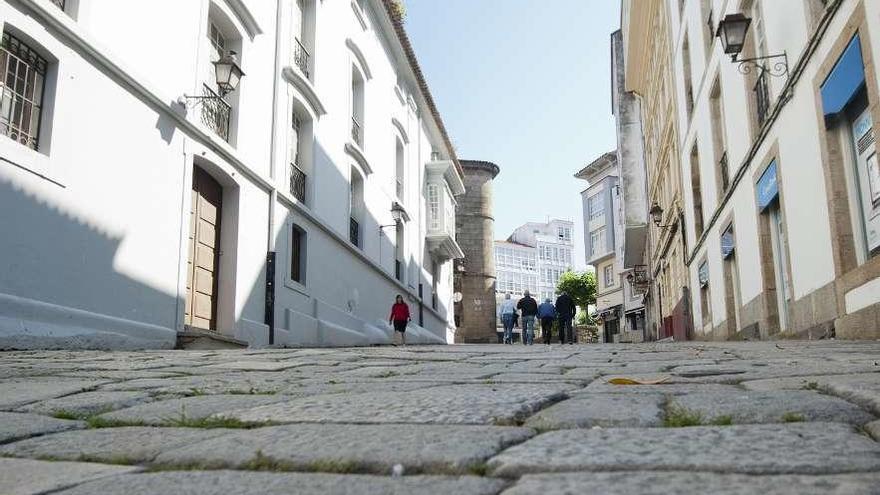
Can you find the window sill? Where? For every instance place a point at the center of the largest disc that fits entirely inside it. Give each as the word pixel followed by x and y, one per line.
pixel 29 160
pixel 296 286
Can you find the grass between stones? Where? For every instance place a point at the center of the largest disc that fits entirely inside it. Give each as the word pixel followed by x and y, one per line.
pixel 680 417
pixel 793 417
pixel 215 422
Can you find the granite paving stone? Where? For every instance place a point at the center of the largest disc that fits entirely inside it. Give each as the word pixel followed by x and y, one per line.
pixel 127 445
pixel 462 404
pixel 792 448
pixel 248 483
pixel 29 477
pixel 664 483
pixel 88 403
pixel 20 425
pixel 604 410
pixel 790 417
pixel 171 411
pixel 16 392
pixel 771 407
pixel 440 449
pixel 873 429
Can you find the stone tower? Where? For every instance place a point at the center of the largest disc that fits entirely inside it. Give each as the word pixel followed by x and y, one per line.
pixel 475 274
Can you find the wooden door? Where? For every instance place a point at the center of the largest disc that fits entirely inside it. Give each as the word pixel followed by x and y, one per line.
pixel 204 250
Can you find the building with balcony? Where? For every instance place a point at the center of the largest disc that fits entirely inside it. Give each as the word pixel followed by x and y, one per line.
pixel 619 311
pixel 265 172
pixel 780 179
pixel 647 48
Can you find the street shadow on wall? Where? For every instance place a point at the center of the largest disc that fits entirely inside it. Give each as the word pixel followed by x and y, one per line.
pixel 332 274
pixel 61 257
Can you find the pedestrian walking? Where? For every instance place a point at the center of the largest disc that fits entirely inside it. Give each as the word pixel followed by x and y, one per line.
pixel 565 311
pixel 507 312
pixel 529 309
pixel 400 317
pixel 547 315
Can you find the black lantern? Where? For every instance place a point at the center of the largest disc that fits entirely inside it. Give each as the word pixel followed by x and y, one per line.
pixel 227 72
pixel 656 213
pixel 732 31
pixel 398 213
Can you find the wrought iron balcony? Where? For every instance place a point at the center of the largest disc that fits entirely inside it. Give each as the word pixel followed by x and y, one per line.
pixel 762 96
pixel 301 57
pixel 298 180
pixel 59 3
pixel 354 234
pixel 725 173
pixel 216 112
pixel 356 134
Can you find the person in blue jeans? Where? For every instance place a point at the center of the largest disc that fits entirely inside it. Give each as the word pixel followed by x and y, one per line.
pixel 529 309
pixel 547 314
pixel 507 312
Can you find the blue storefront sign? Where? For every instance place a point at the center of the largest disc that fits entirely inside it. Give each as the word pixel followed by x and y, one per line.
pixel 767 188
pixel 727 244
pixel 703 274
pixel 845 80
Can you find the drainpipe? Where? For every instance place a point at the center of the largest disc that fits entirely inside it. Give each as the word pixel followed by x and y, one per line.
pixel 269 317
pixel 421 237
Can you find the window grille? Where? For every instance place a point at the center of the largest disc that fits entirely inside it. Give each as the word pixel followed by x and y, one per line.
pixel 24 73
pixel 216 112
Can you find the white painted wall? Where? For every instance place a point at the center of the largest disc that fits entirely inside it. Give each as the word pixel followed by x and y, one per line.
pixel 796 132
pixel 99 217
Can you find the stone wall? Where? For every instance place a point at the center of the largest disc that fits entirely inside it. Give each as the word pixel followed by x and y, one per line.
pixel 475 274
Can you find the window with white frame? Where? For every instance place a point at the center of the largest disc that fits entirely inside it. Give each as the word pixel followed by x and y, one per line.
pixel 609 276
pixel 399 169
pixel 597 241
pixel 563 233
pixel 596 206
pixel 24 78
pixel 433 207
pixel 450 215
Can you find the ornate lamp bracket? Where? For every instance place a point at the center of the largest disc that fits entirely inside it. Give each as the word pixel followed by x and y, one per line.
pixel 772 65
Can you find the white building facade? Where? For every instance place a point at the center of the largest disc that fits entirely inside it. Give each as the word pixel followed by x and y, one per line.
pixel 779 164
pixel 534 258
pixel 619 311
pixel 141 201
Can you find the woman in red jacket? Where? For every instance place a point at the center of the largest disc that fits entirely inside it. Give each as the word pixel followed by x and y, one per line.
pixel 399 317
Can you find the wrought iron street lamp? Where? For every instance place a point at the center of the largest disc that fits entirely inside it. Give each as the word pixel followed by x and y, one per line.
pixel 656 213
pixel 227 76
pixel 228 73
pixel 732 31
pixel 398 214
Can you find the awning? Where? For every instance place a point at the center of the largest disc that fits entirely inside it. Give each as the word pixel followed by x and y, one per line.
pixel 727 242
pixel 845 80
pixel 767 188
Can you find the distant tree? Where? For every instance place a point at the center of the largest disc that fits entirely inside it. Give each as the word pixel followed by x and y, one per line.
pixel 581 286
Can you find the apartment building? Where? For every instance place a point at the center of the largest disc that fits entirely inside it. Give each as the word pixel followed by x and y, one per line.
pixel 648 73
pixel 619 311
pixel 776 102
pixel 533 258
pixel 262 172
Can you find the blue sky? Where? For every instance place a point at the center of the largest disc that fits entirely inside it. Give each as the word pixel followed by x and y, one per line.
pixel 524 84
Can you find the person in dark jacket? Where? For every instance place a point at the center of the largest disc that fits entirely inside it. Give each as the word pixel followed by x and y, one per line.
pixel 399 317
pixel 547 314
pixel 565 311
pixel 529 309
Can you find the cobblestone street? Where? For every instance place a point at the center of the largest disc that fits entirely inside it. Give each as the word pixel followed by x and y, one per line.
pixel 786 417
